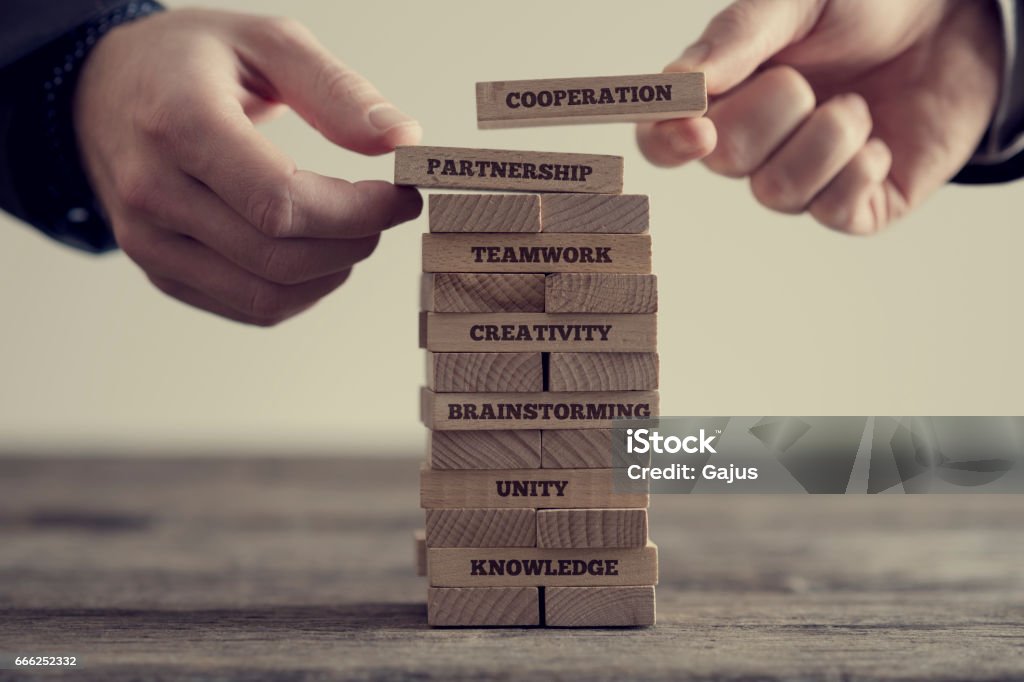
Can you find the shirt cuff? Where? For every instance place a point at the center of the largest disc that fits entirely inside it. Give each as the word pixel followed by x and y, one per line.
pixel 49 179
pixel 999 156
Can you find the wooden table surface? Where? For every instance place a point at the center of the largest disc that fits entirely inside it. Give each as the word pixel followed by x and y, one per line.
pixel 301 569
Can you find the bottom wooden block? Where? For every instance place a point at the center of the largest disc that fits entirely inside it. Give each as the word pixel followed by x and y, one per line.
pixel 534 567
pixel 580 607
pixel 483 606
pixel 419 539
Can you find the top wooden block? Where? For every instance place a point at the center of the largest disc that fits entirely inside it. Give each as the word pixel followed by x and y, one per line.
pixel 507 170
pixel 604 99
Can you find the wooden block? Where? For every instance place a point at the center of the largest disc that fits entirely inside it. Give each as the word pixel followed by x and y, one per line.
pixel 600 292
pixel 606 213
pixel 508 332
pixel 465 292
pixel 484 212
pixel 473 372
pixel 576 449
pixel 419 539
pixel 483 606
pixel 487 411
pixel 543 253
pixel 582 607
pixel 481 527
pixel 590 528
pixel 525 488
pixel 600 99
pixel 469 567
pixel 602 372
pixel 507 170
pixel 484 450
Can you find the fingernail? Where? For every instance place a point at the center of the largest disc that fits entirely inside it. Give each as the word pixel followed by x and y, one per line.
pixel 692 57
pixel 384 117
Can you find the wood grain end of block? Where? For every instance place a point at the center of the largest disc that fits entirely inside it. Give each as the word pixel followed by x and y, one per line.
pixel 483 606
pixel 484 372
pixel 481 527
pixel 602 371
pixel 595 213
pixel 454 292
pixel 579 292
pixel 484 449
pixel 591 528
pixel 578 607
pixel 484 212
pixel 576 449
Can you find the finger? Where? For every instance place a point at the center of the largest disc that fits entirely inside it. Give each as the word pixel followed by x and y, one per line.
pixel 756 118
pixel 196 299
pixel 856 202
pixel 674 142
pixel 331 96
pixel 190 208
pixel 219 146
pixel 815 154
pixel 743 36
pixel 174 257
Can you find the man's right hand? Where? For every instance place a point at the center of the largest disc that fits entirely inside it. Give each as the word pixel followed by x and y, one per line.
pixel 213 213
pixel 851 110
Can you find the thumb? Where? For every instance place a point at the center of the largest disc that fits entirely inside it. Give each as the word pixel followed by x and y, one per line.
pixel 743 36
pixel 336 100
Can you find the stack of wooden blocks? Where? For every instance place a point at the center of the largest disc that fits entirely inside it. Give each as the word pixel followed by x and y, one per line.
pixel 529 359
pixel 539 322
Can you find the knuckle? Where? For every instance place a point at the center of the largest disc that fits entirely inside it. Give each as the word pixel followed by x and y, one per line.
pixel 846 119
pixel 172 121
pixel 159 124
pixel 858 113
pixel 797 89
pixel 136 189
pixel 270 208
pixel 773 191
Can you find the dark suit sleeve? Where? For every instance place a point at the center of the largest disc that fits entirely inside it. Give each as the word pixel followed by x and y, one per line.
pixel 42 48
pixel 1000 158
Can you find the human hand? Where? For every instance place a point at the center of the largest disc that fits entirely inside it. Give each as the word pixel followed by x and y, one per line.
pixel 216 215
pixel 852 110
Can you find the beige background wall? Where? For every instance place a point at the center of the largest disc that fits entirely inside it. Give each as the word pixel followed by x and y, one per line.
pixel 759 313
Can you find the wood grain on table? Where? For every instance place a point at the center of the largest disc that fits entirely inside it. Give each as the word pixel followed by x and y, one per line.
pixel 299 569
